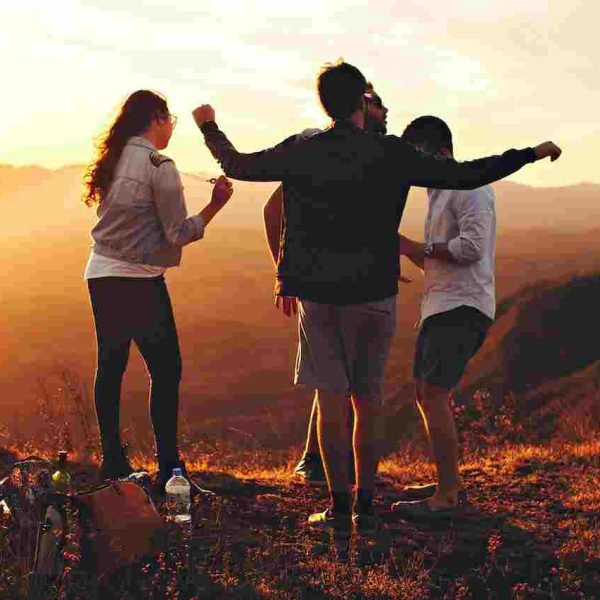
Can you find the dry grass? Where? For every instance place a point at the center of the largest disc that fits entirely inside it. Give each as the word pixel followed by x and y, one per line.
pixel 534 534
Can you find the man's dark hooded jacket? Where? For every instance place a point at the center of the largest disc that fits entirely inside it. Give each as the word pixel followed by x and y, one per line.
pixel 344 195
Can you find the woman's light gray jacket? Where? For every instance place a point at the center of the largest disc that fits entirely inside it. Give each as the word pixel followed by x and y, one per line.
pixel 143 218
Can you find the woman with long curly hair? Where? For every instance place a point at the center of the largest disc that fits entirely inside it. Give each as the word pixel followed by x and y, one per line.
pixel 141 229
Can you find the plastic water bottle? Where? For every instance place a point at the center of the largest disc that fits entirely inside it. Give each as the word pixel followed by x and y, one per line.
pixel 178 498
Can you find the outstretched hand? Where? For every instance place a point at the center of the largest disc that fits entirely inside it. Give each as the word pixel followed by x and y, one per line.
pixel 203 114
pixel 547 149
pixel 289 303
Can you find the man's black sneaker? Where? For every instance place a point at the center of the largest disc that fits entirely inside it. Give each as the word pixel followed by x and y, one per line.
pixel 116 465
pixel 310 469
pixel 339 523
pixel 366 523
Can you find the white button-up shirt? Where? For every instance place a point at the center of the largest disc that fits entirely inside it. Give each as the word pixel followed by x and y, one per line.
pixel 466 221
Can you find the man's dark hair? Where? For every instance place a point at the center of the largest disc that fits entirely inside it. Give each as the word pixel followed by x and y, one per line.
pixel 370 91
pixel 341 87
pixel 430 132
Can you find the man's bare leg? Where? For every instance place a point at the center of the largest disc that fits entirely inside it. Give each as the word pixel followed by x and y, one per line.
pixel 312 437
pixel 334 443
pixel 367 447
pixel 365 441
pixel 433 402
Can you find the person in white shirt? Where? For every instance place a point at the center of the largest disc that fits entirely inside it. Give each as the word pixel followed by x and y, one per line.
pixel 457 310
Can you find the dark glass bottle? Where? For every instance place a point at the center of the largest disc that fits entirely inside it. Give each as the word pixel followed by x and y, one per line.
pixel 61 479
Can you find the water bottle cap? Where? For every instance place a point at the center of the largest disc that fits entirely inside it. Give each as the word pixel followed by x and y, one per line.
pixel 177 472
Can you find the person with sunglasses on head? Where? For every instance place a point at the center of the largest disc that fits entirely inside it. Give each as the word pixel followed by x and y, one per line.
pixel 310 466
pixel 142 227
pixel 344 194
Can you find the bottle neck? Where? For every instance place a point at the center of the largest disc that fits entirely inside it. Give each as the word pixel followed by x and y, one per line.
pixel 62 461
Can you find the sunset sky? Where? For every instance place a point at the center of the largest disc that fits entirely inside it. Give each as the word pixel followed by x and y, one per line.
pixel 503 73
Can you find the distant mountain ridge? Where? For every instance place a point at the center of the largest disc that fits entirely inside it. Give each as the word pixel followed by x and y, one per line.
pixel 568 208
pixel 546 331
pixel 544 348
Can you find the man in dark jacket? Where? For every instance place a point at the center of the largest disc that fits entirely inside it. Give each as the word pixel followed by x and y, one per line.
pixel 344 194
pixel 310 466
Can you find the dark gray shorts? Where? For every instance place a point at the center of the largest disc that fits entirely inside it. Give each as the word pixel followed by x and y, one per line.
pixel 344 349
pixel 446 343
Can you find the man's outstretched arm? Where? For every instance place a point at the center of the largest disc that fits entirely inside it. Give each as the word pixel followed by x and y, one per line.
pixel 426 170
pixel 267 165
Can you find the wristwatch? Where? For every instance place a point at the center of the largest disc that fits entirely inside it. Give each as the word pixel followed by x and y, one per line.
pixel 428 251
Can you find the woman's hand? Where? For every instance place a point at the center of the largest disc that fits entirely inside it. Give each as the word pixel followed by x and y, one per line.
pixel 221 192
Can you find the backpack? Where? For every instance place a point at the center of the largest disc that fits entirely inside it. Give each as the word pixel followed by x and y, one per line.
pixel 119 526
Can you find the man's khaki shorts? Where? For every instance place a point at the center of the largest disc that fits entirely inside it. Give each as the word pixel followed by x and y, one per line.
pixel 343 349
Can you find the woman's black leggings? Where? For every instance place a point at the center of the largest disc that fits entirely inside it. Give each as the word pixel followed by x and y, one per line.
pixel 137 309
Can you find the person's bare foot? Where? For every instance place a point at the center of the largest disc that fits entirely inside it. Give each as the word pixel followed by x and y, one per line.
pixel 413 493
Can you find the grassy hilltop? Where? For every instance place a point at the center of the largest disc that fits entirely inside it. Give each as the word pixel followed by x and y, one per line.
pixel 533 533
